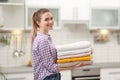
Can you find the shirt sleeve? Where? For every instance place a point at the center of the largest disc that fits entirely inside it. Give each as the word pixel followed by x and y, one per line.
pixel 47 59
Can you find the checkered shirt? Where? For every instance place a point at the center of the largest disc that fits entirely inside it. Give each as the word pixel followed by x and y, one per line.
pixel 44 57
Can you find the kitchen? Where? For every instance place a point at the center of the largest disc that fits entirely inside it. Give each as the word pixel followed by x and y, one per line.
pixel 75 20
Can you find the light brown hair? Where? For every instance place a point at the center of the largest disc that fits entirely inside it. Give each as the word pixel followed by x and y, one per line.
pixel 36 17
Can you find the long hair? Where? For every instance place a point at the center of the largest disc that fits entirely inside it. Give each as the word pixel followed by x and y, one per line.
pixel 36 17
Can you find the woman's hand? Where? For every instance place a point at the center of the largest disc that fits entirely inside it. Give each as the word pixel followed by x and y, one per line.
pixel 79 65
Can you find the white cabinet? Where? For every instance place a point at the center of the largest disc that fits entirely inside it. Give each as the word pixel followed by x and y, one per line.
pixel 42 3
pixel 31 9
pixel 75 9
pixel 105 14
pixel 110 74
pixel 104 18
pixel 53 6
pixel 66 75
pixel 12 14
pixel 105 3
pixel 19 76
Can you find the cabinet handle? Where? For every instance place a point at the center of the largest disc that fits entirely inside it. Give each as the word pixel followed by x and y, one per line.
pixel 86 69
pixel 85 78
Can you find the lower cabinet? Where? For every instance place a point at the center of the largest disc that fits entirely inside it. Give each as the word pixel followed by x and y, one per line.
pixel 66 75
pixel 110 74
pixel 19 76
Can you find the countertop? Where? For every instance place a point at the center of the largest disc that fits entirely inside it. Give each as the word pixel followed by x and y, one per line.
pixel 25 69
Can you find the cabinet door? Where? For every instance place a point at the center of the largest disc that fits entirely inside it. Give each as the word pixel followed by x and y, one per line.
pixel 104 3
pixel 66 75
pixel 110 74
pixel 75 9
pixel 66 12
pixel 104 18
pixel 83 9
pixel 19 76
pixel 42 2
pixel 54 10
pixel 12 15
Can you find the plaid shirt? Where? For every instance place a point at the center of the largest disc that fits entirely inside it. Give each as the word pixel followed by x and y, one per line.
pixel 44 57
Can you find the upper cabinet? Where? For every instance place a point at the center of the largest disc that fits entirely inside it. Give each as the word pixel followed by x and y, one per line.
pixel 105 3
pixel 31 9
pixel 12 14
pixel 32 6
pixel 75 9
pixel 104 14
pixel 104 18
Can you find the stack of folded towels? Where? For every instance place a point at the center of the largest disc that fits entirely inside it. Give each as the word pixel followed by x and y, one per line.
pixel 75 53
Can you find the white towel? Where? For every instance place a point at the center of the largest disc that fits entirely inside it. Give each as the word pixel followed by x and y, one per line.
pixel 74 55
pixel 72 52
pixel 74 46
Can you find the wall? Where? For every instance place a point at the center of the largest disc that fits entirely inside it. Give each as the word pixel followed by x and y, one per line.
pixel 102 52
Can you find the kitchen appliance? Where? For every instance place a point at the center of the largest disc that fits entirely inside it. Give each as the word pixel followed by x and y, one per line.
pixel 86 74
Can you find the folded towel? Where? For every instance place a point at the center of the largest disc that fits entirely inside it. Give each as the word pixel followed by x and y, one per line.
pixel 85 58
pixel 74 46
pixel 74 63
pixel 74 55
pixel 78 51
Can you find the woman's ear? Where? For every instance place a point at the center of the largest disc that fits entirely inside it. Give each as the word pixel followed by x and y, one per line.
pixel 37 22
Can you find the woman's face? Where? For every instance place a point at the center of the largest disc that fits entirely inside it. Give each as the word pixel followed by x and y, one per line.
pixel 46 23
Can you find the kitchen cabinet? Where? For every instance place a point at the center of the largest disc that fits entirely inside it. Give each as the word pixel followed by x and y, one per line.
pixel 110 74
pixel 12 15
pixel 53 6
pixel 104 18
pixel 31 9
pixel 42 2
pixel 104 3
pixel 75 10
pixel 66 75
pixel 19 76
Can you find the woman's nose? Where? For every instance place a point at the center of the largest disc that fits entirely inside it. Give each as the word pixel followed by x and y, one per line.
pixel 51 21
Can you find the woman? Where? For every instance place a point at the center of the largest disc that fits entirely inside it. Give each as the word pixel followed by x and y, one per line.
pixel 44 56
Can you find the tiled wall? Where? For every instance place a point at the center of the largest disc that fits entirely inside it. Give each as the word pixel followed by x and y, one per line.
pixel 102 52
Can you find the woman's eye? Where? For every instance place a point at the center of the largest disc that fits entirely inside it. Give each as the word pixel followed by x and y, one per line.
pixel 51 18
pixel 47 19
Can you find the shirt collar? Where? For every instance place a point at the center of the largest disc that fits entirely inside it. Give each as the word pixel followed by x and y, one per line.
pixel 42 34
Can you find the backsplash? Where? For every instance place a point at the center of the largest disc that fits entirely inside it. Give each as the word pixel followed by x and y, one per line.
pixel 70 33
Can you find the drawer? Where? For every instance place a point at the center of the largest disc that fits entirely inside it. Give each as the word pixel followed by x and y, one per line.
pixel 110 72
pixel 19 76
pixel 86 72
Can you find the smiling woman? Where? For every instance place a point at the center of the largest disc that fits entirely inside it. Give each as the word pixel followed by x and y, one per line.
pixel 44 54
